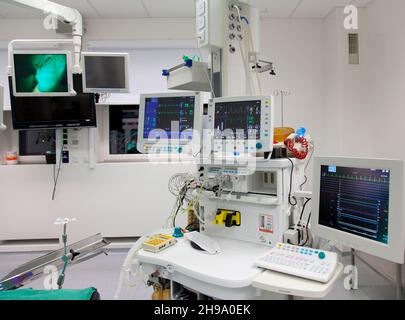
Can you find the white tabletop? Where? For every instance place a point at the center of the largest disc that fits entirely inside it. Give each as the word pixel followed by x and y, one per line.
pixel 294 286
pixel 232 268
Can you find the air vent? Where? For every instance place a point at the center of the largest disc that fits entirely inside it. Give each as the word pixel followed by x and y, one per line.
pixel 354 56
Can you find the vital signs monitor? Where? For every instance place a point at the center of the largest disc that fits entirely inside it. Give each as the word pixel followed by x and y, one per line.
pixel 241 124
pixel 169 121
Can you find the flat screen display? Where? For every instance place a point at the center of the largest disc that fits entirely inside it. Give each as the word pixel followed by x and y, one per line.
pixel 355 201
pixel 41 73
pixel 169 118
pixel 105 73
pixel 239 120
pixel 53 112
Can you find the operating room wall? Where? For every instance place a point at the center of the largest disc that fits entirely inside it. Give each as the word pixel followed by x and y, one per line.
pixel 297 47
pixel 364 103
pixel 364 106
pixel 345 107
pixel 384 82
pixel 385 77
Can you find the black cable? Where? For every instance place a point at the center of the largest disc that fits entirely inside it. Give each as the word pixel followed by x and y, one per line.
pixel 307 228
pixel 300 220
pixel 309 219
pixel 303 209
pixel 305 181
pixel 55 179
pixel 291 181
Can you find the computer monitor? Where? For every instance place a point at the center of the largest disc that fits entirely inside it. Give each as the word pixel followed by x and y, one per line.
pixel 105 72
pixel 241 124
pixel 53 112
pixel 170 121
pixel 359 203
pixel 42 73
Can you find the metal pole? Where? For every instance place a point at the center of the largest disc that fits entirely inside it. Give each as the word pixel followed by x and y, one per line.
pixel 282 108
pixel 399 282
pixel 353 261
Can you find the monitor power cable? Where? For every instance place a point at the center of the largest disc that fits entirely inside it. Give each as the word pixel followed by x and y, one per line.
pixel 56 174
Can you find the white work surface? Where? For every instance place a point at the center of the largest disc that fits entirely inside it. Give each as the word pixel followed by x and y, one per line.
pixel 230 274
pixel 294 286
pixel 232 268
pixel 226 276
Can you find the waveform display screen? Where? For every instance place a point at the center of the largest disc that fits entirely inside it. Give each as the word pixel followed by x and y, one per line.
pixel 169 118
pixel 356 201
pixel 238 120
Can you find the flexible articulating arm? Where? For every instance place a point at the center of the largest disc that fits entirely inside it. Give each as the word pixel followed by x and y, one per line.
pixel 65 14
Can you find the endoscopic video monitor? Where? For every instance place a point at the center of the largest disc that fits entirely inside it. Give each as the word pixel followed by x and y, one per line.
pixel 42 73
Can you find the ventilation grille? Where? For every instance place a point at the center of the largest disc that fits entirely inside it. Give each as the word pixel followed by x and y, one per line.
pixel 354 56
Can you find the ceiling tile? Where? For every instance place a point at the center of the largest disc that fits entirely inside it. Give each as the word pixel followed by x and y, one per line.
pixel 84 7
pixel 180 8
pixel 276 8
pixel 120 8
pixel 362 3
pixel 318 8
pixel 9 10
pixel 170 8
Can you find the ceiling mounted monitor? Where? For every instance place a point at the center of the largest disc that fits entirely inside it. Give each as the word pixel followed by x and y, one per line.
pixel 105 72
pixel 42 73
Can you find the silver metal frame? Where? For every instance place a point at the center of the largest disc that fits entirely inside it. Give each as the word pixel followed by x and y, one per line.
pixel 87 248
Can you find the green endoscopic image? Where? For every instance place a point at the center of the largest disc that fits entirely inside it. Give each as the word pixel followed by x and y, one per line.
pixel 41 73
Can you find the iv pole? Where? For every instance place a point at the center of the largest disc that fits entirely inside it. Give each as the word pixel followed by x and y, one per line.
pixel 282 94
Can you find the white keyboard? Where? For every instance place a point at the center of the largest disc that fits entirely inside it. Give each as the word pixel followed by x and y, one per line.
pixel 302 262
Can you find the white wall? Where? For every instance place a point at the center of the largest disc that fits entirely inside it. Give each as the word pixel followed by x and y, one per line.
pixel 384 82
pixel 346 110
pixel 384 79
pixel 295 45
pixel 118 200
pixel 364 106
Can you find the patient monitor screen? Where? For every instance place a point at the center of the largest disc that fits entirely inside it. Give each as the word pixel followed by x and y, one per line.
pixel 41 73
pixel 355 201
pixel 169 117
pixel 240 120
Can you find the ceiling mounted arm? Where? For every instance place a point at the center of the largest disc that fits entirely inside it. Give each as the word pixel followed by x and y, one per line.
pixel 64 14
